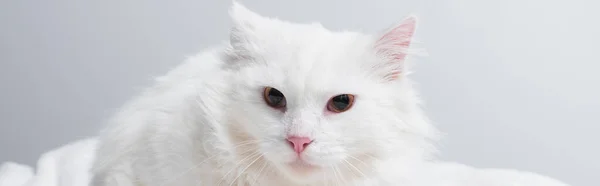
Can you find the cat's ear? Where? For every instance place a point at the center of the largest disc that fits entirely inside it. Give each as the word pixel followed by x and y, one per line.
pixel 392 46
pixel 244 26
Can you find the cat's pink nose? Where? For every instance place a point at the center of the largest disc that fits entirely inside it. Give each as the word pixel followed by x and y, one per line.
pixel 299 143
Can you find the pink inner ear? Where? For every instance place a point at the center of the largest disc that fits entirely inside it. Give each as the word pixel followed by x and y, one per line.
pixel 400 37
pixel 395 42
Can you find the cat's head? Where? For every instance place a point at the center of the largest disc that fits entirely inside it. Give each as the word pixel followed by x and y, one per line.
pixel 312 101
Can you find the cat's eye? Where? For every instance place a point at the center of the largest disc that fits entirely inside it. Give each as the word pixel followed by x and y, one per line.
pixel 274 98
pixel 340 103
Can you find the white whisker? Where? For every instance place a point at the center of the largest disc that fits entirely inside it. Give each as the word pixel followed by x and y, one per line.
pixel 363 174
pixel 236 166
pixel 265 164
pixel 244 170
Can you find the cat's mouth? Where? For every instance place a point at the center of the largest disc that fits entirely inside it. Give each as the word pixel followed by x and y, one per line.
pixel 302 167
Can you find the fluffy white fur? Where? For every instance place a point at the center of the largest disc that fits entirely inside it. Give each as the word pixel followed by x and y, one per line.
pixel 206 123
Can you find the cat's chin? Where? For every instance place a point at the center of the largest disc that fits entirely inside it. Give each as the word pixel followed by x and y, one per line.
pixel 302 167
pixel 301 172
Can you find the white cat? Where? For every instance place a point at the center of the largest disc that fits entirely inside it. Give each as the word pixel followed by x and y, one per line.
pixel 281 104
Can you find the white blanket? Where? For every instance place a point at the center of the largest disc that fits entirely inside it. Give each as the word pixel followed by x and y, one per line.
pixel 65 166
pixel 69 166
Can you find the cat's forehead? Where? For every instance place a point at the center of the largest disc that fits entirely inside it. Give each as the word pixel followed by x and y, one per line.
pixel 308 59
pixel 309 48
pixel 319 64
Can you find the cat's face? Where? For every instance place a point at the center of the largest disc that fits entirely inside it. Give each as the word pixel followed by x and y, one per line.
pixel 315 102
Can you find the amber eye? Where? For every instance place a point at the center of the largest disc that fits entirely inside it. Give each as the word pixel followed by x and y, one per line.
pixel 340 103
pixel 274 97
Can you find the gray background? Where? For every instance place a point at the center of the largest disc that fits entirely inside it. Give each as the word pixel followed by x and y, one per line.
pixel 514 83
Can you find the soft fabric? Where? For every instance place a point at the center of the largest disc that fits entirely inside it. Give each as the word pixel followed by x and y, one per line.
pixel 65 166
pixel 68 166
pixel 13 174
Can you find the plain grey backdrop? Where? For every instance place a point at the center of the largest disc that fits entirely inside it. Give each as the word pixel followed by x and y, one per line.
pixel 513 83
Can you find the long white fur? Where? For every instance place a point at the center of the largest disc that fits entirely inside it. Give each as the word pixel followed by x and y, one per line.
pixel 205 122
